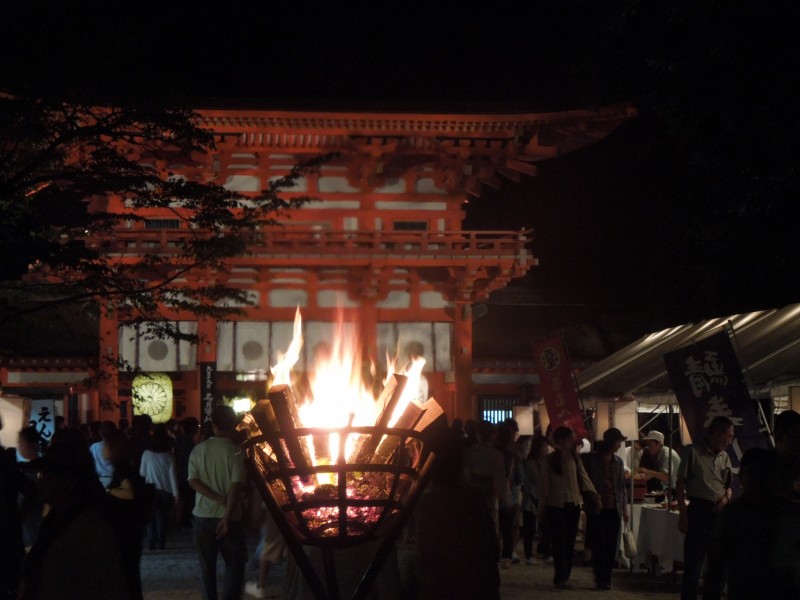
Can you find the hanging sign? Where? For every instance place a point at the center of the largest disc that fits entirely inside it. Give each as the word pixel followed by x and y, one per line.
pixel 208 374
pixel 708 383
pixel 43 415
pixel 557 387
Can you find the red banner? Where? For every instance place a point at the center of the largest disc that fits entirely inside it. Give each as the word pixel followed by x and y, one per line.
pixel 557 387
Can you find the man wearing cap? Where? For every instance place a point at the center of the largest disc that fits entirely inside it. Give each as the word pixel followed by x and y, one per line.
pixel 667 460
pixel 607 472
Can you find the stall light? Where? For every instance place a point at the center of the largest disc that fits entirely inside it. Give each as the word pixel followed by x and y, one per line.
pixel 523 415
pixel 544 418
pixel 602 417
pixel 241 405
pixel 686 437
pixel 616 413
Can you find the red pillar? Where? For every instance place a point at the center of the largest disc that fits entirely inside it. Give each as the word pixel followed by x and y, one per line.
pixel 206 353
pixel 462 362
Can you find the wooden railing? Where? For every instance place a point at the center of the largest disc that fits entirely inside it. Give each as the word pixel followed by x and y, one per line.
pixel 294 242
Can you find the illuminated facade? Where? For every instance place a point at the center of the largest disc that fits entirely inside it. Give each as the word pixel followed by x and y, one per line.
pixel 382 243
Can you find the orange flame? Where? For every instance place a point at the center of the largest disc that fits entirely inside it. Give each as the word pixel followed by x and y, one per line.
pixel 282 371
pixel 336 391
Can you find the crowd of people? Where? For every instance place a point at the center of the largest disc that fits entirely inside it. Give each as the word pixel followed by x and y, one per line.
pixel 77 510
pixel 538 487
pixel 76 514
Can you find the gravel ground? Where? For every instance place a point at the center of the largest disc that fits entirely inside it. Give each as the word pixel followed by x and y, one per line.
pixel 173 574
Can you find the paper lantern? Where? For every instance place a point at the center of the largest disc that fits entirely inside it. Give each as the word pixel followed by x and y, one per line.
pixel 152 395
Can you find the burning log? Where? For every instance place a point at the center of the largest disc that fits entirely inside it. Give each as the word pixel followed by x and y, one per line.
pixel 433 412
pixel 414 416
pixel 277 417
pixel 368 444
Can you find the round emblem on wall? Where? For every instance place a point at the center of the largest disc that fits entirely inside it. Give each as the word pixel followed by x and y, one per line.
pixel 157 350
pixel 252 350
pixel 550 358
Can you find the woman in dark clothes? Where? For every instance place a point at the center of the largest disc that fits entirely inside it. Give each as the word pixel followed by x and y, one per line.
pixel 76 553
pixel 129 508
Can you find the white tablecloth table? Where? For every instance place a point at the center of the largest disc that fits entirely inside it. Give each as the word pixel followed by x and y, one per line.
pixel 657 537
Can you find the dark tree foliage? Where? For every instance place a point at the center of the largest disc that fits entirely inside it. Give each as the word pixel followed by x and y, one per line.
pixel 60 164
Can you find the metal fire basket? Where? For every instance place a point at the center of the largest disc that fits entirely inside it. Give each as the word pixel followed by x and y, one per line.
pixel 366 497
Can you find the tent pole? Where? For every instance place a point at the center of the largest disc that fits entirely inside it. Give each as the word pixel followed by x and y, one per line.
pixel 577 386
pixel 630 498
pixel 669 477
pixel 762 417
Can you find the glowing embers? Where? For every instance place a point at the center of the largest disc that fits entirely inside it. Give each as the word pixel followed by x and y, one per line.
pixel 323 517
pixel 322 497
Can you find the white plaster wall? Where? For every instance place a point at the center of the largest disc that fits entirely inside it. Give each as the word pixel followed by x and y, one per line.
pixel 395 299
pixel 393 186
pixel 416 332
pixel 149 361
pixel 434 337
pixel 329 183
pixel 187 353
pixel 157 354
pixel 331 204
pixel 334 299
pixel 243 183
pixel 252 346
pixel 432 299
pixel 426 185
pixel 386 341
pixel 443 336
pixel 253 296
pixel 288 298
pixel 225 350
pixel 300 184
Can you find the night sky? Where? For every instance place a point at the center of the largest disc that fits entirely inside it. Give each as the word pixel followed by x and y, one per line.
pixel 689 211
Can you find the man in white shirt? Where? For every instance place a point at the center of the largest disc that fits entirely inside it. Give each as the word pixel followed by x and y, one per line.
pixel 667 460
pixel 217 474
pixel 103 466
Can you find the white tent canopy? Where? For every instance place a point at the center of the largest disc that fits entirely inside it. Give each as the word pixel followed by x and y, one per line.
pixel 767 343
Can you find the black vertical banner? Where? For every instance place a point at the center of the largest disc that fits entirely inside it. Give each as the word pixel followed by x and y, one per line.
pixel 208 375
pixel 708 383
pixel 73 409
